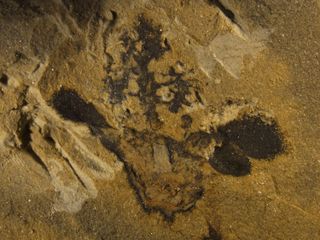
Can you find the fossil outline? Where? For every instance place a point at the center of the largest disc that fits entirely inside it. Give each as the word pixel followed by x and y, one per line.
pixel 42 124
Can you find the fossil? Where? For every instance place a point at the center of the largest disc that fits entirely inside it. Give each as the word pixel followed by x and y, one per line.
pixel 137 109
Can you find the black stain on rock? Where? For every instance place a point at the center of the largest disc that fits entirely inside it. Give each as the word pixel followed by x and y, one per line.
pixel 228 160
pixel 72 107
pixel 117 87
pixel 151 47
pixel 200 139
pixel 249 137
pixel 4 79
pixel 183 89
pixel 147 46
pixel 255 137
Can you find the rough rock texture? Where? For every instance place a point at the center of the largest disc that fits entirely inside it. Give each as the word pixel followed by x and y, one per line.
pixel 155 119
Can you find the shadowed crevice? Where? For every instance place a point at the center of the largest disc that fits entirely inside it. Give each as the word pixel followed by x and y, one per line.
pixel 227 12
pixel 213 234
pixel 24 134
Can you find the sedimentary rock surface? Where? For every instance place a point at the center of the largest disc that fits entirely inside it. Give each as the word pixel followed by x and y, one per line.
pixel 159 119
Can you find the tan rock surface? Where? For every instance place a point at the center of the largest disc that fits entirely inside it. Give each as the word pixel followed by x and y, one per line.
pixel 151 119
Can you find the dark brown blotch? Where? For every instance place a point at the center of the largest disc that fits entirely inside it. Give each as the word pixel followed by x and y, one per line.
pixel 4 79
pixel 72 107
pixel 255 137
pixel 200 139
pixel 228 160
